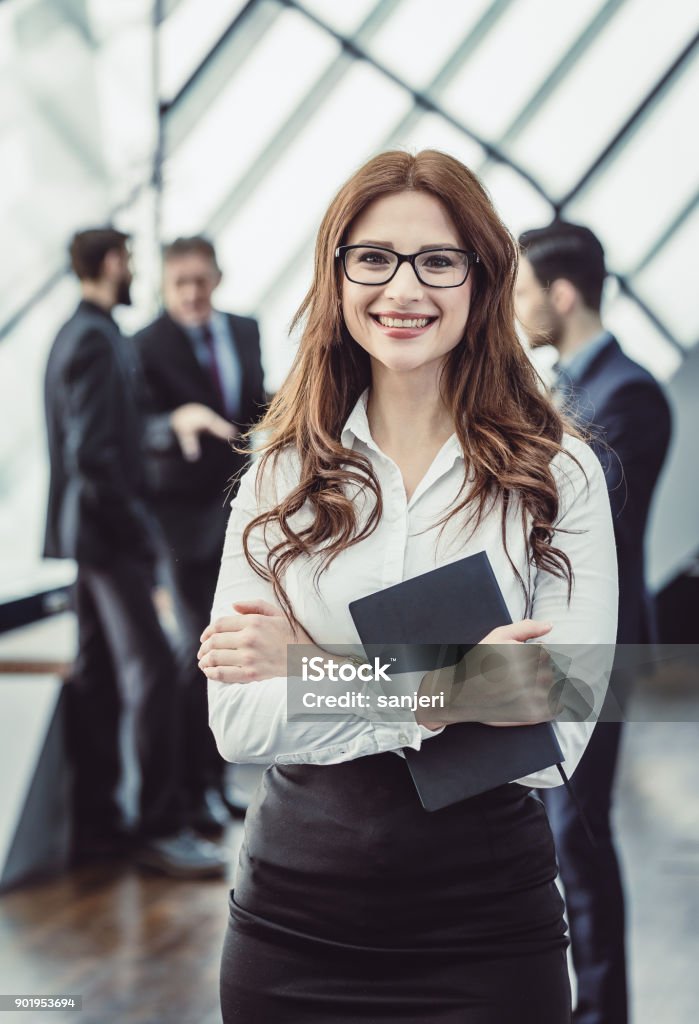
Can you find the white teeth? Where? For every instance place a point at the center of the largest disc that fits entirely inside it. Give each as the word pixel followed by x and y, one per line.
pixel 391 321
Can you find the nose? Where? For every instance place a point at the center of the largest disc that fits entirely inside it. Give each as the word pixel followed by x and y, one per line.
pixel 404 287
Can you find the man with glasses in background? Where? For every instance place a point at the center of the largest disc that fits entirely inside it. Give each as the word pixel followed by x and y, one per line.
pixel 203 368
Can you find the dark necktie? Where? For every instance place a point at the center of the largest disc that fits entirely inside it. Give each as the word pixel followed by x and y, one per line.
pixel 208 339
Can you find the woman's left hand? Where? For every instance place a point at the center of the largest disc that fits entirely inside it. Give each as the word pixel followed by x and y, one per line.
pixel 248 645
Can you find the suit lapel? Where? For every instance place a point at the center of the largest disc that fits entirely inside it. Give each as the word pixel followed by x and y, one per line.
pixel 606 354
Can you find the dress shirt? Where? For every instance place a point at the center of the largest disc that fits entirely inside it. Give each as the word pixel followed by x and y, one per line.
pixel 249 721
pixel 229 368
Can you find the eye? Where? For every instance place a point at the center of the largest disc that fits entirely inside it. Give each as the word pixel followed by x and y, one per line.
pixel 372 257
pixel 439 261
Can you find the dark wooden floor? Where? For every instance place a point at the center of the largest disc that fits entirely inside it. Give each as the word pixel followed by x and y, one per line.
pixel 140 949
pixel 144 950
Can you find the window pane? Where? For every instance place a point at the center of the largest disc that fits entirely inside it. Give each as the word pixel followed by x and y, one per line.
pixel 669 282
pixel 256 102
pixel 23 462
pixel 274 315
pixel 513 60
pixel 432 132
pixel 292 198
pixel 127 121
pixel 650 180
pixel 602 90
pixel 340 15
pixel 54 174
pixel 415 45
pixel 187 35
pixel 519 205
pixel 639 338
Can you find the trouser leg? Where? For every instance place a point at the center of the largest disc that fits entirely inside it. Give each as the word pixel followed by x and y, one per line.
pixel 92 720
pixel 592 881
pixel 148 678
pixel 193 585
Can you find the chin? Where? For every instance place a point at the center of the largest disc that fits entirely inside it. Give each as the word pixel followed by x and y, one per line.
pixel 401 362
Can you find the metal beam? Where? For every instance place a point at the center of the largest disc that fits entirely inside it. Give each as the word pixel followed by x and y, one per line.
pixel 293 126
pixel 666 234
pixel 494 152
pixel 659 325
pixel 200 91
pixel 581 45
pixel 56 276
pixel 420 98
pixel 453 65
pixel 632 122
pixel 469 43
pixel 44 289
pixel 35 20
pixel 158 15
pixel 166 8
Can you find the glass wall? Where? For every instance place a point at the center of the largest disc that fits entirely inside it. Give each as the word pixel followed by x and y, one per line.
pixel 266 108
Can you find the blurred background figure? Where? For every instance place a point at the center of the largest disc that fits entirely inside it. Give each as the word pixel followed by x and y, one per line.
pixel 203 368
pixel 97 516
pixel 559 293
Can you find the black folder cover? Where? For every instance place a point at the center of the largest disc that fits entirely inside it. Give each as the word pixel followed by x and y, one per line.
pixel 455 605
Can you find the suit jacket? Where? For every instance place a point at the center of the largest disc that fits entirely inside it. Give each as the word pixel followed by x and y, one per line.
pixel 189 498
pixel 96 506
pixel 628 415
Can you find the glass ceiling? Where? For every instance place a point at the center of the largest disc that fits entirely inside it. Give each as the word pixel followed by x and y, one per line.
pixel 268 105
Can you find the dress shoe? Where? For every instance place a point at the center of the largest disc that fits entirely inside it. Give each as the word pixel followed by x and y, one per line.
pixel 234 803
pixel 90 845
pixel 209 815
pixel 183 855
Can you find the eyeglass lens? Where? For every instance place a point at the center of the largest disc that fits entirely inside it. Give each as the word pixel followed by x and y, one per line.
pixel 440 267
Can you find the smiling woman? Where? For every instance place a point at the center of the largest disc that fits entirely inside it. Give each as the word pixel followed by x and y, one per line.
pixel 411 403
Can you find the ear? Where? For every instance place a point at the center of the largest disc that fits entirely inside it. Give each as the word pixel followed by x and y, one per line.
pixel 563 296
pixel 111 265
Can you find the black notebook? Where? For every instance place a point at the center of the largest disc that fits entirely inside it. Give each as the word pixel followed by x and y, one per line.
pixel 455 605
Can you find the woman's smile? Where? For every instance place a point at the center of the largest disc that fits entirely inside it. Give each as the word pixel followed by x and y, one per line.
pixel 403 325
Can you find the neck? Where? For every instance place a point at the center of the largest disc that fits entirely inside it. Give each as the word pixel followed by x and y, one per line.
pixel 101 293
pixel 578 330
pixel 406 412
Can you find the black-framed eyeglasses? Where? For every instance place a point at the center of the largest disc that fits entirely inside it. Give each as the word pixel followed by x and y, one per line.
pixel 435 268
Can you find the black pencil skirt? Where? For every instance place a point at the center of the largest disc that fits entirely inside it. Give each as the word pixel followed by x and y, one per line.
pixel 353 904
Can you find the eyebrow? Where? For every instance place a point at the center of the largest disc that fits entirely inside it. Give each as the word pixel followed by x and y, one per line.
pixel 389 245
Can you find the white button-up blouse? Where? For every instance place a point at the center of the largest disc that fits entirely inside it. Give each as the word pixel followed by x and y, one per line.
pixel 249 720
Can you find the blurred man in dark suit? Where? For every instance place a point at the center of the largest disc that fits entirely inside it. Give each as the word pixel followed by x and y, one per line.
pixel 198 362
pixel 97 516
pixel 559 292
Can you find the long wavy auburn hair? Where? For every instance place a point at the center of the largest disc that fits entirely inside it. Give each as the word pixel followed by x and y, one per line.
pixel 509 431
